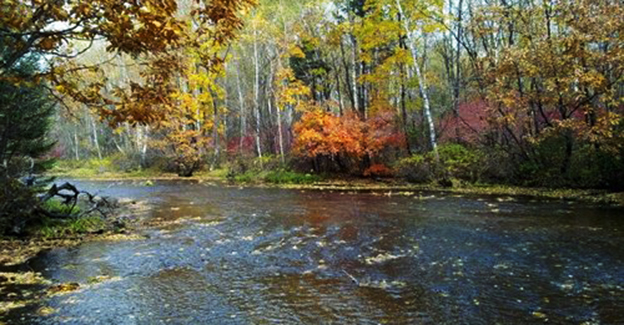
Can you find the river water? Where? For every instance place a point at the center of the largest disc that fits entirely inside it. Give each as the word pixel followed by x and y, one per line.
pixel 230 255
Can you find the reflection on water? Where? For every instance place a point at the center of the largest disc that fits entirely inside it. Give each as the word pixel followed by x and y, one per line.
pixel 219 255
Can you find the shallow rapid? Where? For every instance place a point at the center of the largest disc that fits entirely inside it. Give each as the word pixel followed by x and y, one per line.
pixel 230 255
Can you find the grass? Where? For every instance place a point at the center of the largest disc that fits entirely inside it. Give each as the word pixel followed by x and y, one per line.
pixel 58 207
pixel 219 173
pixel 54 228
pixel 280 176
pixel 398 186
pixel 96 169
pixel 290 177
pixel 106 169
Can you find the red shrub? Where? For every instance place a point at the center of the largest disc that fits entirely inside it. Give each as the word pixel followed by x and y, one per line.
pixel 378 170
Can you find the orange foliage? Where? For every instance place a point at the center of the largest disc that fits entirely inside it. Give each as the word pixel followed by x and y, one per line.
pixel 379 170
pixel 151 30
pixel 320 133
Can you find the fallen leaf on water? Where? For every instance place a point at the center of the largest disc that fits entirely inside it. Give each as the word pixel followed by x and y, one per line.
pixel 45 311
pixel 98 279
pixel 64 288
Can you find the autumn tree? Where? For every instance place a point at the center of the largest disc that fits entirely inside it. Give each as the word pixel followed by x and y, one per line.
pixel 49 35
pixel 553 89
pixel 346 143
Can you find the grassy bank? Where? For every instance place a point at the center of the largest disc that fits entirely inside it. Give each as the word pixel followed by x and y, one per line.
pixel 23 288
pixel 288 179
pixel 397 187
pixel 104 170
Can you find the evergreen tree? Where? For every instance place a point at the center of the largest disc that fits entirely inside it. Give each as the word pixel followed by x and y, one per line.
pixel 25 117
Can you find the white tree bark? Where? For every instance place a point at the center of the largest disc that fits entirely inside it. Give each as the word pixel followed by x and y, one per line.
pixel 241 101
pixel 76 143
pixel 422 82
pixel 278 116
pixel 96 143
pixel 257 95
pixel 356 100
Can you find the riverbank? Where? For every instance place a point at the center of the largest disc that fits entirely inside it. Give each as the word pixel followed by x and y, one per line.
pixel 21 287
pixel 400 188
pixel 385 186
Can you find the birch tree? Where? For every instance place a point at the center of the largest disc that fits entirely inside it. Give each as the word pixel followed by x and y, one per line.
pixel 410 27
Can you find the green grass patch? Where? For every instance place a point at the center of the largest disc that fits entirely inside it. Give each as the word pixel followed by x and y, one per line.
pixel 247 177
pixel 143 173
pixel 290 177
pixel 84 168
pixel 58 207
pixel 96 168
pixel 220 173
pixel 280 176
pixel 56 228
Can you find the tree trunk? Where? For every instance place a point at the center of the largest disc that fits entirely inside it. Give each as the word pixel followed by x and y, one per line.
pixel 457 82
pixel 241 101
pixel 215 132
pixel 257 95
pixel 96 143
pixel 76 144
pixel 422 82
pixel 348 83
pixel 356 94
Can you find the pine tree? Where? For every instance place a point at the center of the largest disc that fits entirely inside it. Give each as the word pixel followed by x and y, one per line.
pixel 25 118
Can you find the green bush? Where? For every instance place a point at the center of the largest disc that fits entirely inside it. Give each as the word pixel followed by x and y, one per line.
pixel 461 162
pixel 456 162
pixel 85 168
pixel 247 169
pixel 416 169
pixel 17 204
pixel 246 177
pixel 561 159
pixel 268 163
pixel 588 166
pixel 58 207
pixel 280 176
pixel 56 228
pixel 290 177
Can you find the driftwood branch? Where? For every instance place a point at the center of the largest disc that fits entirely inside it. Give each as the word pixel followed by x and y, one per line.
pixel 71 196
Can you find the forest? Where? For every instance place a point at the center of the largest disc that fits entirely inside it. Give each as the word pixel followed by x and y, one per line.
pixel 311 162
pixel 458 92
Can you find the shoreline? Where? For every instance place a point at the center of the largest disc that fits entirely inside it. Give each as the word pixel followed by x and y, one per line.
pixel 15 253
pixel 24 287
pixel 594 196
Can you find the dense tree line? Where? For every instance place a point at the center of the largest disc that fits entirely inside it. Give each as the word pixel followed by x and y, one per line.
pixel 47 65
pixel 513 91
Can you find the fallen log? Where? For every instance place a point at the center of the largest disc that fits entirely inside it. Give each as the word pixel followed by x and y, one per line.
pixel 70 196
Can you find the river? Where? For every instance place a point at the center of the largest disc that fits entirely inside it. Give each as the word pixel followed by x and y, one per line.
pixel 233 255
